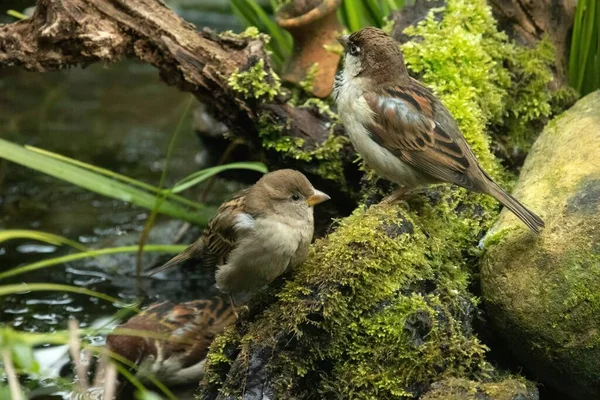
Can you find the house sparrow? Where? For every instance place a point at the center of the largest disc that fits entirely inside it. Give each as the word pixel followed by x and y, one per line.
pixel 259 234
pixel 188 330
pixel 400 129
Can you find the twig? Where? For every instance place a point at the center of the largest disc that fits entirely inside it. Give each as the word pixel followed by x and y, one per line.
pixel 110 381
pixel 75 349
pixel 224 157
pixel 13 382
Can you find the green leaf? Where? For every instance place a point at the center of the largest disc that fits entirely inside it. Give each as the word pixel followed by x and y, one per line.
pixel 41 236
pixel 89 254
pixel 98 183
pixel 201 176
pixel 23 288
pixel 16 14
pixel 584 60
pixel 23 358
pixel 117 176
pixel 147 395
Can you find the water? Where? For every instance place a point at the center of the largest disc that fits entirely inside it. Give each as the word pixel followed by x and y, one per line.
pixel 119 117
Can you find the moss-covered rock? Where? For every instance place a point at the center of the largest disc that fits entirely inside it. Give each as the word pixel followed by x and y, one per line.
pixel 462 389
pixel 542 293
pixel 380 310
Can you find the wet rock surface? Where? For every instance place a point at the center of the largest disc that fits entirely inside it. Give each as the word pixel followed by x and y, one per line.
pixel 541 293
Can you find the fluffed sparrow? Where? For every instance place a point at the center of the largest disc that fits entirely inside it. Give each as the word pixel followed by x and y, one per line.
pixel 401 129
pixel 188 330
pixel 259 234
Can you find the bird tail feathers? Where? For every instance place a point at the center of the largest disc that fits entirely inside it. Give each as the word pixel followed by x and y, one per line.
pixel 528 217
pixel 185 255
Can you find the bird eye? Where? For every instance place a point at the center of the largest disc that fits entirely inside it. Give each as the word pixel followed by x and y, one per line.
pixel 354 50
pixel 295 197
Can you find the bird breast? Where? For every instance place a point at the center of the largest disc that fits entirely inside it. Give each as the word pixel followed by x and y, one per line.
pixel 356 115
pixel 263 254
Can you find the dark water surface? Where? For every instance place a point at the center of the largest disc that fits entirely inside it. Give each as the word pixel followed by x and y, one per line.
pixel 119 117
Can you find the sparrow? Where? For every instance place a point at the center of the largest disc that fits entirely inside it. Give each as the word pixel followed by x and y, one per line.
pixel 186 331
pixel 401 129
pixel 259 234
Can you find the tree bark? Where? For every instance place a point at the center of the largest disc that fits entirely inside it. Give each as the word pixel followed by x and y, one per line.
pixel 527 21
pixel 66 33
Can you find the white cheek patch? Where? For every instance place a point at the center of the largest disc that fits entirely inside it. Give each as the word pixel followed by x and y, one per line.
pixel 244 221
pixel 351 66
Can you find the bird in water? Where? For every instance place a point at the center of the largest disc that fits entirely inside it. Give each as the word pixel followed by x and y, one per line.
pixel 259 234
pixel 172 339
pixel 401 129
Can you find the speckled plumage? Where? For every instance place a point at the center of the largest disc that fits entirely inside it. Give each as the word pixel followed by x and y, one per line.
pixel 187 330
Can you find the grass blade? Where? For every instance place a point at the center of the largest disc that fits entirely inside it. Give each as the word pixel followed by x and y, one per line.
pixel 158 248
pixel 117 176
pixel 97 183
pixel 22 288
pixel 200 176
pixel 161 197
pixel 41 236
pixel 16 14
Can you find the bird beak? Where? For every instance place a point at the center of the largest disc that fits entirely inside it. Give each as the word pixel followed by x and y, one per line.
pixel 343 39
pixel 317 197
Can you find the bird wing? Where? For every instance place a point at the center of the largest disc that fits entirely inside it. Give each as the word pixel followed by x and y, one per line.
pixel 217 239
pixel 220 236
pixel 195 325
pixel 408 122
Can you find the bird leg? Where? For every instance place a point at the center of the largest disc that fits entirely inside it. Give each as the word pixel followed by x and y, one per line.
pixel 396 196
pixel 234 306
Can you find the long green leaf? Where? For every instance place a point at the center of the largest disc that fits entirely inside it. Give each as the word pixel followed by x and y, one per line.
pixel 584 60
pixel 89 254
pixel 17 14
pixel 41 236
pixel 117 176
pixel 159 200
pixel 22 288
pixel 97 183
pixel 200 176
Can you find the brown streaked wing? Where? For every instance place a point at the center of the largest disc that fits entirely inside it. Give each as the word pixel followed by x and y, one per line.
pixel 403 123
pixel 220 236
pixel 199 321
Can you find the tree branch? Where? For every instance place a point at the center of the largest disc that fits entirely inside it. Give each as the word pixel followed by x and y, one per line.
pixel 65 33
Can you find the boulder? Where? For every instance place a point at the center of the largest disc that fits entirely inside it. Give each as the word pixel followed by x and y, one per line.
pixel 542 293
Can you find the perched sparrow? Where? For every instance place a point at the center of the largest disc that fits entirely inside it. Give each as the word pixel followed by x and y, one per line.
pixel 259 234
pixel 188 330
pixel 400 129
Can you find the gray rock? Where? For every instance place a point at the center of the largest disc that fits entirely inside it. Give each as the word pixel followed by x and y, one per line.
pixel 543 293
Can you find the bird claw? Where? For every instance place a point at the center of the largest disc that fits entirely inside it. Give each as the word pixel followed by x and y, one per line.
pixel 396 197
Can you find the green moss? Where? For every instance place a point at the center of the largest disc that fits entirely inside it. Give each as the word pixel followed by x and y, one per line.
pixel 482 77
pixel 380 304
pixel 255 82
pixel 508 388
pixel 307 82
pixel 251 32
pixel 325 158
